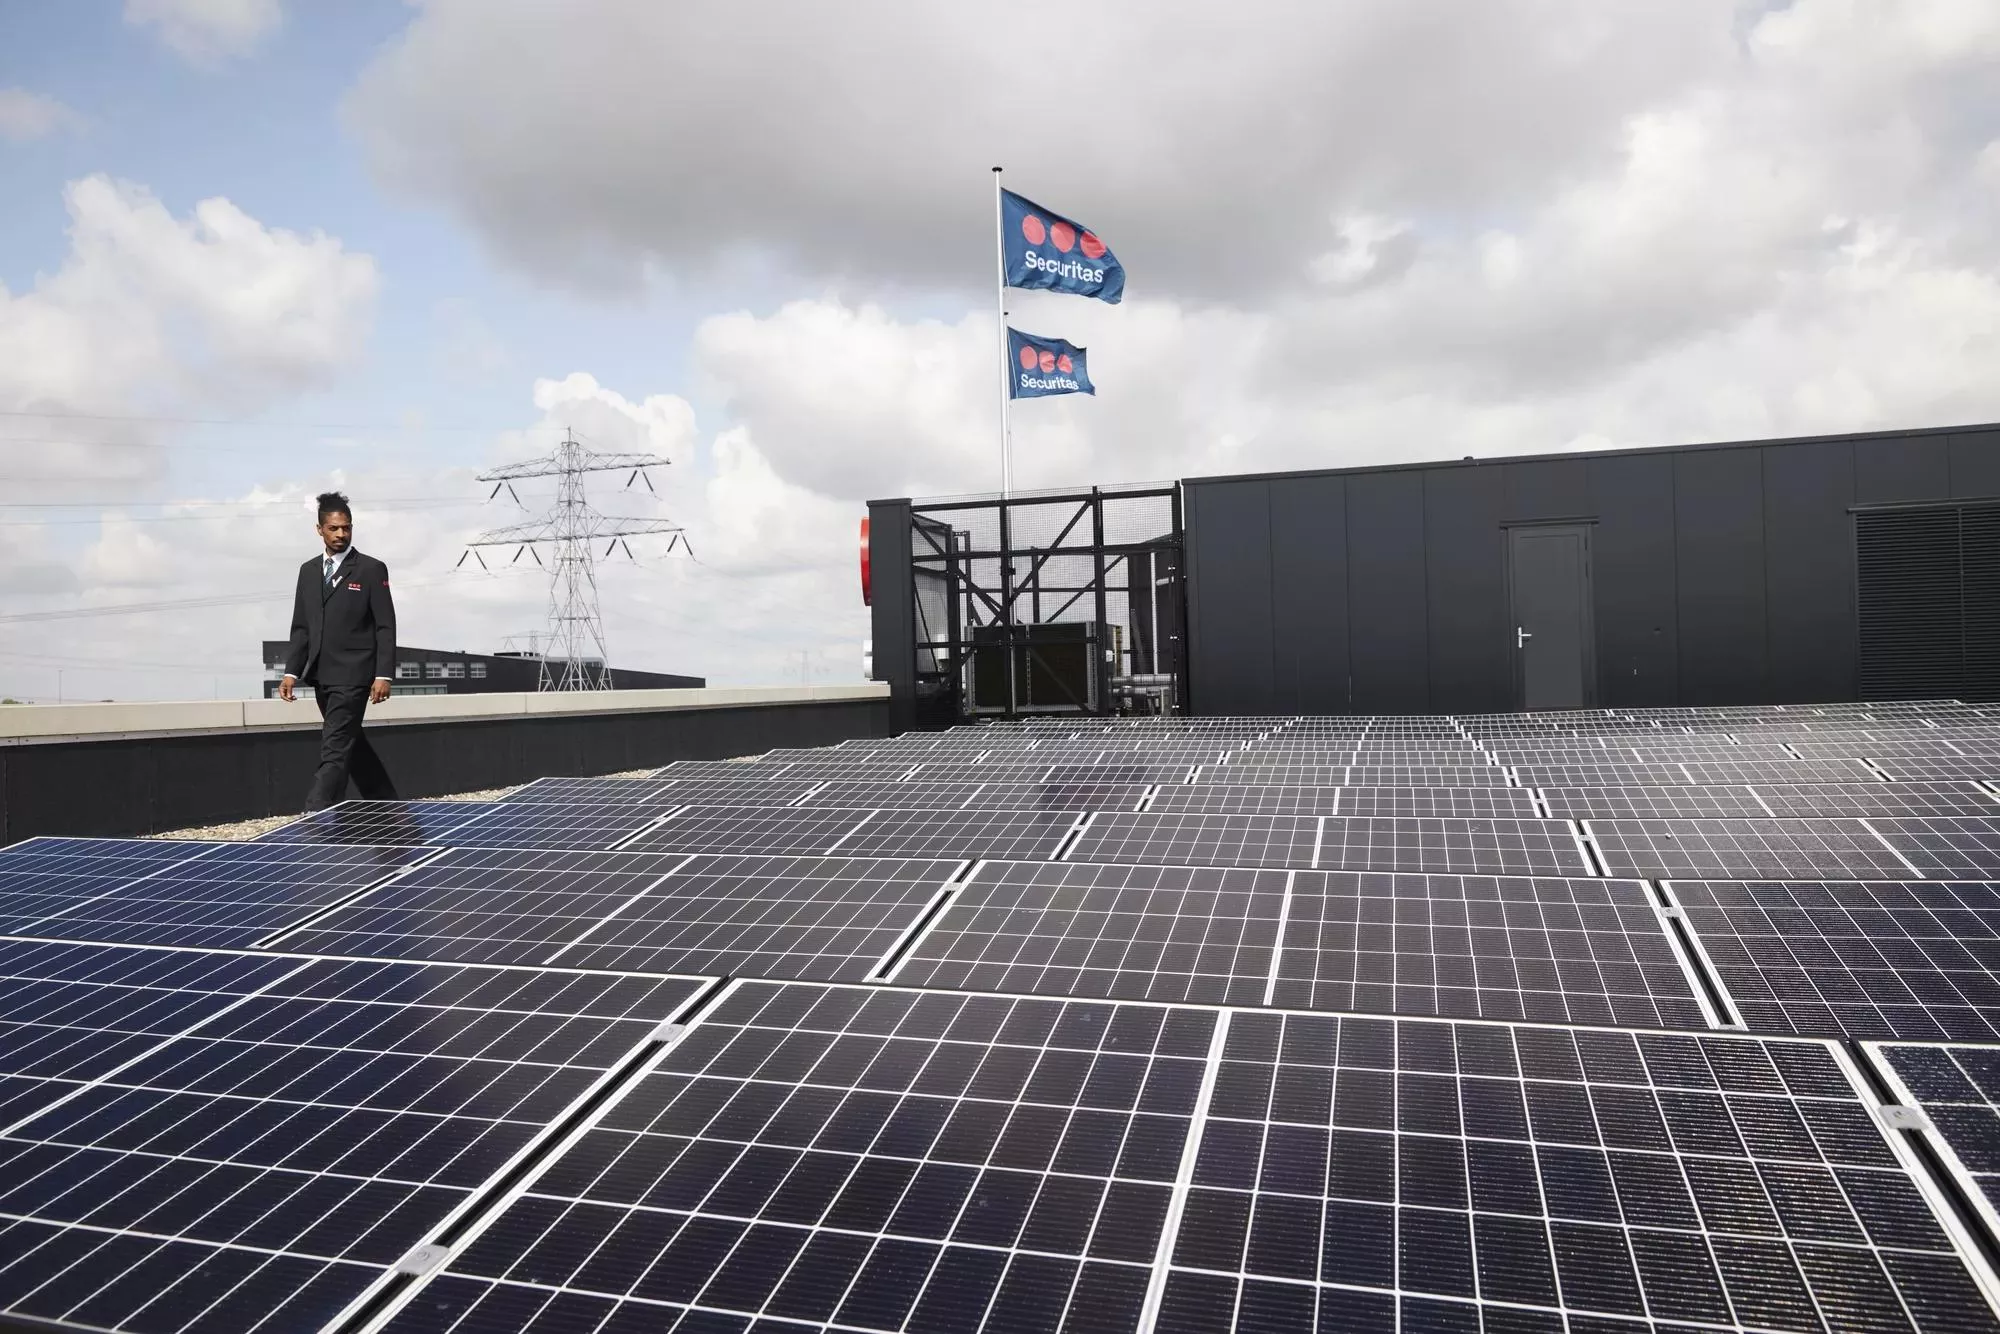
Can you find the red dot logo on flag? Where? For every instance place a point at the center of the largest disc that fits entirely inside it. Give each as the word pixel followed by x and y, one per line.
pixel 1027 358
pixel 1092 247
pixel 1031 227
pixel 1062 235
pixel 1048 362
pixel 1063 363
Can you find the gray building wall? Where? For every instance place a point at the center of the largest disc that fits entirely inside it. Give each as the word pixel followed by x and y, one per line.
pixel 1723 574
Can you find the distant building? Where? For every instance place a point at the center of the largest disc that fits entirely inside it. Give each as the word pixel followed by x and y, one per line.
pixel 429 671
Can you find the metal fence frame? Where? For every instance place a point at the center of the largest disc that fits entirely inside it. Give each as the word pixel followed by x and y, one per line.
pixel 956 601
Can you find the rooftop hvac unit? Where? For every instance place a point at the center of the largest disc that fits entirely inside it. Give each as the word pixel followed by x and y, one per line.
pixel 1055 668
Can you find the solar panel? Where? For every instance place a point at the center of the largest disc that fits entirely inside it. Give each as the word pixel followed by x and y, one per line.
pixel 1912 960
pixel 265 1168
pixel 380 822
pixel 1461 802
pixel 921 794
pixel 71 866
pixel 596 791
pixel 234 895
pixel 76 1013
pixel 836 1157
pixel 1643 803
pixel 1369 1174
pixel 817 918
pixel 1878 799
pixel 1503 847
pixel 975 833
pixel 737 791
pixel 1693 773
pixel 1945 847
pixel 1493 947
pixel 1217 799
pixel 1388 775
pixel 1975 768
pixel 1957 1088
pixel 1199 840
pixel 486 905
pixel 549 825
pixel 1162 933
pixel 776 830
pixel 1746 849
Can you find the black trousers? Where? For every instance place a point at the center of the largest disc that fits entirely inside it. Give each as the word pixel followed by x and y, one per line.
pixel 344 751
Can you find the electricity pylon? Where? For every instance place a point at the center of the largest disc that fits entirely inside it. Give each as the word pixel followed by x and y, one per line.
pixel 572 528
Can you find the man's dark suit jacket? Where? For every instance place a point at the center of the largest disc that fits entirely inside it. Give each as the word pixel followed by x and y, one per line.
pixel 343 633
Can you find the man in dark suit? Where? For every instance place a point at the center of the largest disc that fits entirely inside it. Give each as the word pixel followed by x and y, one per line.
pixel 344 647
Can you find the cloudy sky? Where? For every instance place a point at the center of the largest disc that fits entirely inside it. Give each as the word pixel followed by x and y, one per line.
pixel 254 248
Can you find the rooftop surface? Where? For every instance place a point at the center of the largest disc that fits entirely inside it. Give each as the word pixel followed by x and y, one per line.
pixel 1592 1022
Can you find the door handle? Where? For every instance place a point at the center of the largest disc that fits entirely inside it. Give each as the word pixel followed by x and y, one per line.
pixel 1521 637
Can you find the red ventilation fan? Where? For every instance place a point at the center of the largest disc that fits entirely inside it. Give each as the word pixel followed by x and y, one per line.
pixel 867 587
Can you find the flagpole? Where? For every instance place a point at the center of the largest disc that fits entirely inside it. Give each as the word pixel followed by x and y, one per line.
pixel 1006 369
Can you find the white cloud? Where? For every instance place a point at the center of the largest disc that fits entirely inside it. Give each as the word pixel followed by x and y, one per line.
pixel 1683 220
pixel 153 313
pixel 25 115
pixel 1208 144
pixel 207 32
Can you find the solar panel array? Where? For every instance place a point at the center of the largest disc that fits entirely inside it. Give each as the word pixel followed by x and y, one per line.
pixel 1665 1020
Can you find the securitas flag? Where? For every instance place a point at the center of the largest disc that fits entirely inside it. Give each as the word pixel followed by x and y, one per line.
pixel 1040 367
pixel 1045 249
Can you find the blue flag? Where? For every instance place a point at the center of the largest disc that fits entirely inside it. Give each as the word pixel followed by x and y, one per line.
pixel 1045 249
pixel 1039 367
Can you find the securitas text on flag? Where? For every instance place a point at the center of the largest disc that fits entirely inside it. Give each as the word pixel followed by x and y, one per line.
pixel 1039 367
pixel 1044 249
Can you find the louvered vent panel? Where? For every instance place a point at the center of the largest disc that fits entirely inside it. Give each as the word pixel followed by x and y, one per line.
pixel 1979 559
pixel 1910 601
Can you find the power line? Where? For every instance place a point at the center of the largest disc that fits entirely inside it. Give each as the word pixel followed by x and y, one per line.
pixel 186 604
pixel 143 418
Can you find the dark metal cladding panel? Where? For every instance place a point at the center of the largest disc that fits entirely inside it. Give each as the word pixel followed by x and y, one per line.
pixel 1809 571
pixel 1466 590
pixel 1975 465
pixel 892 620
pixel 1632 566
pixel 1902 468
pixel 1309 563
pixel 1230 599
pixel 1548 489
pixel 1719 550
pixel 1389 641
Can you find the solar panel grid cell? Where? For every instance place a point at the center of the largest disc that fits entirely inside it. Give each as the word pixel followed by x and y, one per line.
pixel 1957 1086
pixel 1484 1177
pixel 871 1160
pixel 1723 849
pixel 234 895
pixel 777 830
pixel 1911 960
pixel 381 822
pixel 1161 933
pixel 265 1167
pixel 1544 949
